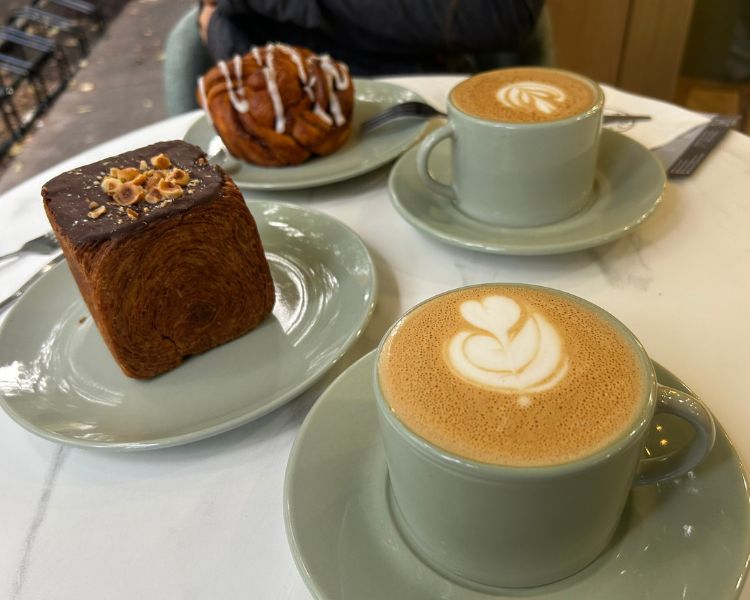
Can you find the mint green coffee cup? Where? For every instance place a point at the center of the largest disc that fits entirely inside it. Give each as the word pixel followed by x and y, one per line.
pixel 519 168
pixel 553 504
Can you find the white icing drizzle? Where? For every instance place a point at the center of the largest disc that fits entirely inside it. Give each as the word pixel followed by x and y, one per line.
pixel 273 90
pixel 329 66
pixel 204 99
pixel 241 105
pixel 238 74
pixel 336 78
pixel 333 78
pixel 296 59
pixel 333 101
pixel 309 87
pixel 322 114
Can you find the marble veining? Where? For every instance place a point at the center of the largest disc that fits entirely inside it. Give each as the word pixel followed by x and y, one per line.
pixel 58 460
pixel 623 265
pixel 220 555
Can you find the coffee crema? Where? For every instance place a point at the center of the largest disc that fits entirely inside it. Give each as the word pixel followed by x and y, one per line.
pixel 524 95
pixel 511 375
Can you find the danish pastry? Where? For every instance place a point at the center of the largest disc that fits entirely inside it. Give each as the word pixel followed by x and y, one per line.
pixel 279 105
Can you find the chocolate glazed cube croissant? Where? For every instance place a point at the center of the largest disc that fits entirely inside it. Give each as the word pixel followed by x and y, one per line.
pixel 164 251
pixel 279 105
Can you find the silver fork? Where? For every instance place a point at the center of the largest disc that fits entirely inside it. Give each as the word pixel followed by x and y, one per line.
pixel 217 154
pixel 44 244
pixel 420 109
pixel 400 111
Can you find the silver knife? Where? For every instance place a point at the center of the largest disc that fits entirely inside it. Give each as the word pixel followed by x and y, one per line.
pixel 624 118
pixel 700 147
pixel 5 304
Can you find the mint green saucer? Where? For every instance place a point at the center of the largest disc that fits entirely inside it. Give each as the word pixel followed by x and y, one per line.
pixel 360 154
pixel 629 186
pixel 58 380
pixel 689 538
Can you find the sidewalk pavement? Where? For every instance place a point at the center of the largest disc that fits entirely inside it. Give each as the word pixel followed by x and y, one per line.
pixel 118 89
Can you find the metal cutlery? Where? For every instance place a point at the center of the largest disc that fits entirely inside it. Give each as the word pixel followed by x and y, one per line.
pixel 218 154
pixel 400 111
pixel 700 147
pixel 420 109
pixel 44 244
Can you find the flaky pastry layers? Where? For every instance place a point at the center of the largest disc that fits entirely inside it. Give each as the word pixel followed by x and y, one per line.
pixel 178 279
pixel 279 105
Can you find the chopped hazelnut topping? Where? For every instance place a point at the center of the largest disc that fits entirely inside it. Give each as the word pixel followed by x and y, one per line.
pixel 157 185
pixel 110 185
pixel 129 174
pixel 161 161
pixel 154 196
pixel 128 194
pixel 178 176
pixel 169 189
pixel 96 213
pixel 154 180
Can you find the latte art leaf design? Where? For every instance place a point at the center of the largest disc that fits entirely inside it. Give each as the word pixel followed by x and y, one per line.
pixel 531 95
pixel 518 351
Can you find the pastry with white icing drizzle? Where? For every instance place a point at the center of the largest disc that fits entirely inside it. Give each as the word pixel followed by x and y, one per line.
pixel 279 105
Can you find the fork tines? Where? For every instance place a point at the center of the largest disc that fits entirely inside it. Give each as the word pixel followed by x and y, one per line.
pixel 405 109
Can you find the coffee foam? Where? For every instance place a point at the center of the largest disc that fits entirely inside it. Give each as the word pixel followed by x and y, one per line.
pixel 536 96
pixel 523 95
pixel 556 382
pixel 516 351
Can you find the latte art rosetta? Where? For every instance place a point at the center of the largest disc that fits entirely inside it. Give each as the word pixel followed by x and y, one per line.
pixel 531 95
pixel 519 351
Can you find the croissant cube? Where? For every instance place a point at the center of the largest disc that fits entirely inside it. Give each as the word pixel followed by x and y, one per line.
pixel 168 260
pixel 279 105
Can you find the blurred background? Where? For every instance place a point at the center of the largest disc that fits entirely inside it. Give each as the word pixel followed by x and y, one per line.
pixel 93 69
pixel 692 52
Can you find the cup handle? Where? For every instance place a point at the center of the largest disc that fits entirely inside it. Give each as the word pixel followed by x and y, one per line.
pixel 423 154
pixel 690 409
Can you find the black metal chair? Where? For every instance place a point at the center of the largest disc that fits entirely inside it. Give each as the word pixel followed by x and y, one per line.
pixel 31 15
pixel 79 7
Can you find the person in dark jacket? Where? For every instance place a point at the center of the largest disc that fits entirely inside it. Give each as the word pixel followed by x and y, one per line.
pixel 374 37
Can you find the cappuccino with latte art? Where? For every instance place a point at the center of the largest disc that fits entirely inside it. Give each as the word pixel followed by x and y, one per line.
pixel 524 95
pixel 524 146
pixel 513 419
pixel 511 375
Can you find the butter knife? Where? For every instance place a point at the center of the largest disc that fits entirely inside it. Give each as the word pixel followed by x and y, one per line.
pixel 5 304
pixel 702 144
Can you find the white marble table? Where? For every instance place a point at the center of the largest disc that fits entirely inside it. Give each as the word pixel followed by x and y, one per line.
pixel 205 520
